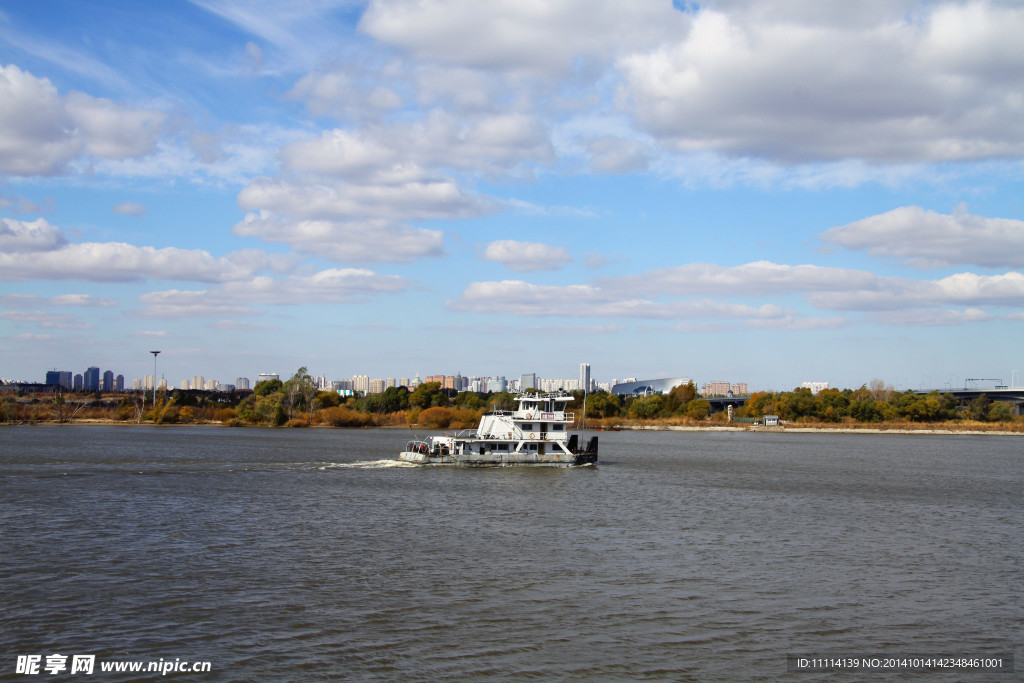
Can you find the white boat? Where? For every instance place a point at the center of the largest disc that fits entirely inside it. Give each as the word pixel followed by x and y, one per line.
pixel 535 434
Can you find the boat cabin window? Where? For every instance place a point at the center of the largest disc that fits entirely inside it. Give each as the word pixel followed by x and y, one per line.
pixel 527 426
pixel 558 427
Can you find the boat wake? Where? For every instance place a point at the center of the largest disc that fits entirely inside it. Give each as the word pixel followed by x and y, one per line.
pixel 367 465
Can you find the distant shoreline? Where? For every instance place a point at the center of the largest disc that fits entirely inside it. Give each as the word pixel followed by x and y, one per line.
pixel 818 429
pixel 825 430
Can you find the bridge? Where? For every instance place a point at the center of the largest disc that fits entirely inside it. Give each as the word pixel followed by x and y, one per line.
pixel 1014 396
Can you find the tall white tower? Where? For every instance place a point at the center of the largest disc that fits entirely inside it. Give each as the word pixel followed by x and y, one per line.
pixel 585 377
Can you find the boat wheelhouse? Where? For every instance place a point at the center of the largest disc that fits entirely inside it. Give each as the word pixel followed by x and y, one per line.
pixel 536 433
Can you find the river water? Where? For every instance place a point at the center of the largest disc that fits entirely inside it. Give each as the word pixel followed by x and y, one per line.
pixel 308 555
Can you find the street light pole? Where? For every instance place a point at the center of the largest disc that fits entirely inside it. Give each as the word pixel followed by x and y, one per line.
pixel 155 354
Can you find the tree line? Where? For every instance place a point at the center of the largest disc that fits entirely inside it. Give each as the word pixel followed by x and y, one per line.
pixel 297 402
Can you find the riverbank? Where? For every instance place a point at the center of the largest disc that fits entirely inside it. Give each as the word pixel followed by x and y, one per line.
pixel 946 428
pixel 835 430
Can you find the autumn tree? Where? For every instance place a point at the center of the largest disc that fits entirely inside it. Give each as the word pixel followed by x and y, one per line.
pixel 698 408
pixel 427 395
pixel 677 399
pixel 299 392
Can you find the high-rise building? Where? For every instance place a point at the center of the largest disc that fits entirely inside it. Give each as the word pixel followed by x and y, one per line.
pixel 376 386
pixel 58 378
pixel 716 388
pixel 361 383
pixel 528 381
pixel 119 383
pixel 265 376
pixel 108 381
pixel 585 376
pixel 78 383
pixel 92 379
pixel 242 383
pixel 136 385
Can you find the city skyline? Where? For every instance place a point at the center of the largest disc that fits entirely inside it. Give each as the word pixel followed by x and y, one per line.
pixel 739 190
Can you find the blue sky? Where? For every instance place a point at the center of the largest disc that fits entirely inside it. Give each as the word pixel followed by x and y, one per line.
pixel 767 192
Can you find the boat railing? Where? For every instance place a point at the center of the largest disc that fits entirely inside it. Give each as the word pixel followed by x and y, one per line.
pixel 544 417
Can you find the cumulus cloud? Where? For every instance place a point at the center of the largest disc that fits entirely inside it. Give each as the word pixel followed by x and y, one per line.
pixel 37 250
pixel 118 262
pixel 667 294
pixel 960 289
pixel 345 241
pixel 240 298
pixel 21 236
pixel 113 131
pixel 936 85
pixel 41 132
pixel 515 36
pixel 759 278
pixel 415 200
pixel 927 239
pixel 523 298
pixel 526 256
pixel 487 143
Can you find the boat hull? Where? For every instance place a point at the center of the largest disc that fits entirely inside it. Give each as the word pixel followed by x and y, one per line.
pixel 499 459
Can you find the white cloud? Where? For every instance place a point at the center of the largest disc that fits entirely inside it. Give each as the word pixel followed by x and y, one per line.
pixel 526 256
pixel 657 294
pixel 35 129
pixel 931 317
pixel 936 85
pixel 42 132
pixel 240 298
pixel 82 300
pixel 130 209
pixel 515 36
pixel 56 321
pixel 793 323
pixel 25 300
pixel 119 262
pixel 114 131
pixel 417 200
pixel 522 298
pixel 760 278
pixel 21 236
pixel 334 285
pixel 610 154
pixel 345 241
pixel 900 294
pixel 175 304
pixel 927 239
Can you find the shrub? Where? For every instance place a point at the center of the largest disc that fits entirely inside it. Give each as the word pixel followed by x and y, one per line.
pixel 342 416
pixel 436 417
